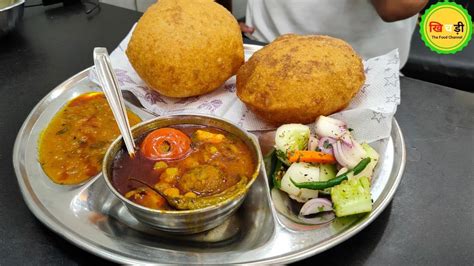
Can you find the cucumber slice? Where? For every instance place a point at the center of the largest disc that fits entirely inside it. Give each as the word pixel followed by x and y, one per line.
pixel 374 159
pixel 352 197
pixel 291 137
pixel 327 171
pixel 300 172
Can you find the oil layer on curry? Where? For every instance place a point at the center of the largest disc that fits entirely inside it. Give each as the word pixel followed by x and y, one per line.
pixel 183 167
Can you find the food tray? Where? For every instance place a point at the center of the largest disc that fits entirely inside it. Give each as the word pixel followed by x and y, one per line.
pixel 89 216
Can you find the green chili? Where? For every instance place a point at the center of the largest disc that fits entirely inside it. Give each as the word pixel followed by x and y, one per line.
pixel 320 185
pixel 361 166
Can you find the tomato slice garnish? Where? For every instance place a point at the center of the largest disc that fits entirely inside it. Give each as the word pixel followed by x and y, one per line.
pixel 166 144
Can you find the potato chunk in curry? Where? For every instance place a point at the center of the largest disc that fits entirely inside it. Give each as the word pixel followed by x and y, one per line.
pixel 205 180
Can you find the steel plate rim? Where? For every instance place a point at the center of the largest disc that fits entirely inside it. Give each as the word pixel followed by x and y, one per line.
pixel 112 255
pixel 20 2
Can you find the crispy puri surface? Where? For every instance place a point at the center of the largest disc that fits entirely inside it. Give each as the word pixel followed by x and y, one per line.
pixel 184 48
pixel 296 78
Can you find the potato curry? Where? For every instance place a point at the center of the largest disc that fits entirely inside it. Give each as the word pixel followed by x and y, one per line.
pixel 191 166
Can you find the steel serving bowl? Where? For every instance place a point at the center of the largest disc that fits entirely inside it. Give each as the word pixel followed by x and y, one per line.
pixel 11 12
pixel 184 221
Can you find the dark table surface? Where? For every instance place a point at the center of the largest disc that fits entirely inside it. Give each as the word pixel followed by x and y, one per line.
pixel 430 220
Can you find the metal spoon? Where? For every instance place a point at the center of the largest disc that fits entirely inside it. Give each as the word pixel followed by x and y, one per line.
pixel 110 86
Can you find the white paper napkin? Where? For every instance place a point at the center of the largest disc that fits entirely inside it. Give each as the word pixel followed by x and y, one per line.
pixel 370 113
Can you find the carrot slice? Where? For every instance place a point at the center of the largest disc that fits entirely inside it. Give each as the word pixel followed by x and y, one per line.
pixel 311 157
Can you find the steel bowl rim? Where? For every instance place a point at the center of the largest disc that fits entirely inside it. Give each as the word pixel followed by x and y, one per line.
pixel 18 3
pixel 226 202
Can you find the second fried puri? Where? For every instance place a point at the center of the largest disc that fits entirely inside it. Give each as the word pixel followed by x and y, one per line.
pixel 296 78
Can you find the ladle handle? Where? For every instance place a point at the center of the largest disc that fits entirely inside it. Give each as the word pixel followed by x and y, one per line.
pixel 110 86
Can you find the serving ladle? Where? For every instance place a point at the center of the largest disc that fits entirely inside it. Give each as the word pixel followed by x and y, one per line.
pixel 109 84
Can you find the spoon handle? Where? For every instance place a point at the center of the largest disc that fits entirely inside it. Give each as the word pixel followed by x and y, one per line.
pixel 112 92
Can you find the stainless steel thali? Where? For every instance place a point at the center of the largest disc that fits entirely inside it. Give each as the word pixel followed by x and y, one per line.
pixel 89 215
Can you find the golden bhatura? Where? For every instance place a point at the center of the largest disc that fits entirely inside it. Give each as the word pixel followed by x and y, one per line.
pixel 183 48
pixel 297 78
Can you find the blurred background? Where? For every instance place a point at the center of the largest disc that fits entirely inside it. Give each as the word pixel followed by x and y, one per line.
pixel 237 6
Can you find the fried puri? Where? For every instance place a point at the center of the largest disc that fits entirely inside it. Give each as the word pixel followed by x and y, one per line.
pixel 296 78
pixel 184 48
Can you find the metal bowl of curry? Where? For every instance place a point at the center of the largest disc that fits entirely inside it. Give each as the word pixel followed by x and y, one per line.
pixel 190 173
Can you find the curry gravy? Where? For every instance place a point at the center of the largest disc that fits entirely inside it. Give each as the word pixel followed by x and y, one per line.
pixel 208 169
pixel 72 146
